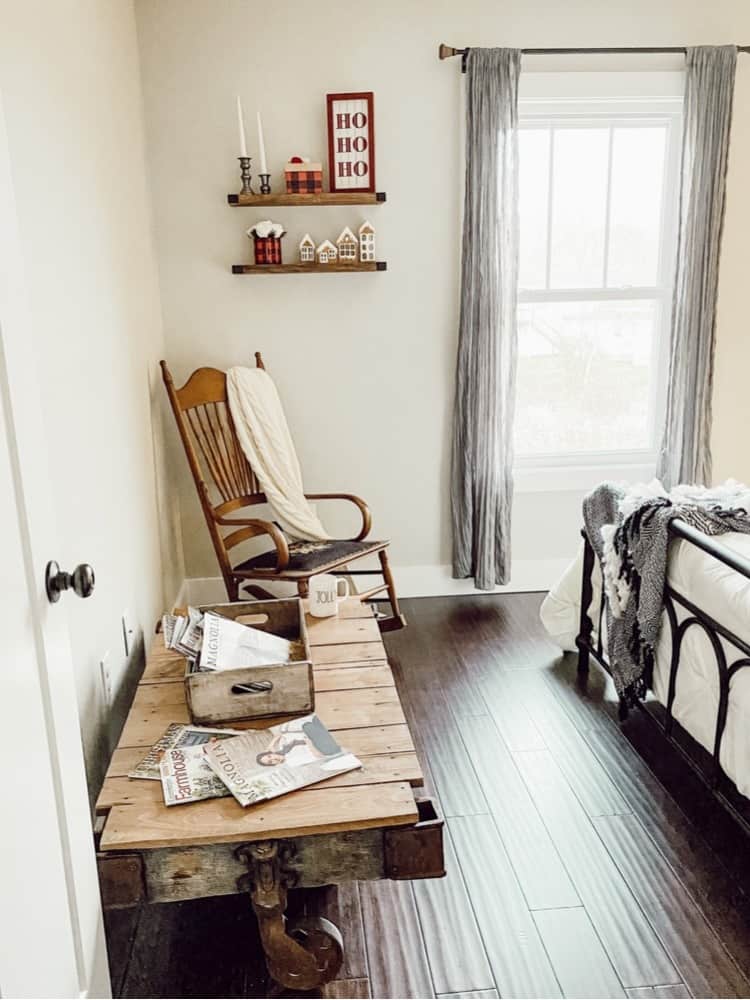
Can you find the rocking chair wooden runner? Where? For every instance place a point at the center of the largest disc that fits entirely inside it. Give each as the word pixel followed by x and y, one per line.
pixel 214 455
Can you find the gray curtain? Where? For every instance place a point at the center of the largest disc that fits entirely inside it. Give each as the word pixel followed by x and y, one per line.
pixel 685 454
pixel 482 458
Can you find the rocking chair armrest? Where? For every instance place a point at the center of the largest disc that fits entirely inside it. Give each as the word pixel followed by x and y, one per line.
pixel 357 501
pixel 258 527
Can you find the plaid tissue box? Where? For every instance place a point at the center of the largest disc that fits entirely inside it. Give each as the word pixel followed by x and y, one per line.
pixel 267 249
pixel 304 178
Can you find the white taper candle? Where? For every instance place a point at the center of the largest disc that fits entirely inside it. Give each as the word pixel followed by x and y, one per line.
pixel 243 144
pixel 261 146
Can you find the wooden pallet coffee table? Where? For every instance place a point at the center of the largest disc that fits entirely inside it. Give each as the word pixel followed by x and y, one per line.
pixel 363 825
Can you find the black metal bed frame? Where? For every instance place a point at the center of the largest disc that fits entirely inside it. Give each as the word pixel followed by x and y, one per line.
pixel 706 764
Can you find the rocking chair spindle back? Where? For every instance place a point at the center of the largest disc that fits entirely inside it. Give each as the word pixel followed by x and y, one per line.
pixel 212 431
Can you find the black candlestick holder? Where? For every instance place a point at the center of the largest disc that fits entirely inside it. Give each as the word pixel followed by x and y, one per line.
pixel 246 175
pixel 265 183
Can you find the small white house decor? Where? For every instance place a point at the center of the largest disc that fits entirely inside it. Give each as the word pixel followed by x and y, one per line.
pixel 347 245
pixel 307 250
pixel 327 253
pixel 366 242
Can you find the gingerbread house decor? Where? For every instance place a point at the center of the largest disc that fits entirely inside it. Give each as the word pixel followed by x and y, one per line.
pixel 326 253
pixel 267 238
pixel 307 249
pixel 347 245
pixel 303 177
pixel 366 242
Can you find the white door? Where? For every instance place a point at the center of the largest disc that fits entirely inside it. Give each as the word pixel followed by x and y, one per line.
pixel 51 934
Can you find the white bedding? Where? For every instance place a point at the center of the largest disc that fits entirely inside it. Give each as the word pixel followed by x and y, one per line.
pixel 722 593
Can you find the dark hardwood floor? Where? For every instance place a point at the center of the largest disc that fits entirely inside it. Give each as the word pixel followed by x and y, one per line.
pixel 573 870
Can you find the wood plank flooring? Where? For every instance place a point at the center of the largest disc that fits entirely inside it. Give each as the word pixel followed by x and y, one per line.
pixel 574 869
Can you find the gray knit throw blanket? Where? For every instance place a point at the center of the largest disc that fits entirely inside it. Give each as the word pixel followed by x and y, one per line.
pixel 629 531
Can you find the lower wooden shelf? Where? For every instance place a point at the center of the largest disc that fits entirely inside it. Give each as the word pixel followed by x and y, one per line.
pixel 375 265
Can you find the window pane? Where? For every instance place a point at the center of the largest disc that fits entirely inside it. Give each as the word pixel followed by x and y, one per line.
pixel 533 147
pixel 585 373
pixel 635 207
pixel 579 205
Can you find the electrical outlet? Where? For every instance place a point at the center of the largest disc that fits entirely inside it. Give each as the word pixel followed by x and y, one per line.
pixel 128 632
pixel 105 666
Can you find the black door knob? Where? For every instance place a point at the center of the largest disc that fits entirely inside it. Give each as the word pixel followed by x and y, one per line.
pixel 81 581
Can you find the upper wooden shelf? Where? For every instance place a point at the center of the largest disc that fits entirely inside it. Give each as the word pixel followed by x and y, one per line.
pixel 326 198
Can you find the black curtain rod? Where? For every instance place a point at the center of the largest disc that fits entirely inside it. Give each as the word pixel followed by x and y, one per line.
pixel 447 51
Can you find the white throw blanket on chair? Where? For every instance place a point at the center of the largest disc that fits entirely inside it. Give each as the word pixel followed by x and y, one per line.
pixel 265 439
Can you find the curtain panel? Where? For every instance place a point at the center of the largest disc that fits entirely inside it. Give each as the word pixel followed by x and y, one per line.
pixel 482 452
pixel 685 453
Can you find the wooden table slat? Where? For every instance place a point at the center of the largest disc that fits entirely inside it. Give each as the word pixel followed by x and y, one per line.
pixel 348 678
pixel 375 770
pixel 341 631
pixel 327 677
pixel 326 681
pixel 353 653
pixel 223 821
pixel 363 742
pixel 155 707
pixel 168 670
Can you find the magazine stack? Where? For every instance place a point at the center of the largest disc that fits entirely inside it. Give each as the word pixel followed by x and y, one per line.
pixel 254 765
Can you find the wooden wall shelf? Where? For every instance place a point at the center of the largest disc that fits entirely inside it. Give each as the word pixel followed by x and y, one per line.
pixel 377 265
pixel 327 198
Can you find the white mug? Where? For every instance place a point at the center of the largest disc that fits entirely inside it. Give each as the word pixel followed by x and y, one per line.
pixel 325 594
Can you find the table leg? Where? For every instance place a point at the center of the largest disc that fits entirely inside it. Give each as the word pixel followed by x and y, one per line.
pixel 305 955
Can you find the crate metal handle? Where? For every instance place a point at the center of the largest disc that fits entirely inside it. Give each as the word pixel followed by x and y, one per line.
pixel 254 687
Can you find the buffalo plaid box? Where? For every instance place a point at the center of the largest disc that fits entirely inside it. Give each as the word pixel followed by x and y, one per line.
pixel 303 178
pixel 267 249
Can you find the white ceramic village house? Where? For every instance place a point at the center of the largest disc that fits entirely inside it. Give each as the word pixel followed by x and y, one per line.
pixel 307 249
pixel 347 245
pixel 326 253
pixel 366 242
pixel 347 248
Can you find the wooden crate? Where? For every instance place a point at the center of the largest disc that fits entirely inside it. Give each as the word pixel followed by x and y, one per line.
pixel 277 689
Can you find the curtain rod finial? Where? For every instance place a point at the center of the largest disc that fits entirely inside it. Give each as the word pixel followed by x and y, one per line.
pixel 446 51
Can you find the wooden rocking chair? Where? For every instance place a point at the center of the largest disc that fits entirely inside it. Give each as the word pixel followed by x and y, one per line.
pixel 215 456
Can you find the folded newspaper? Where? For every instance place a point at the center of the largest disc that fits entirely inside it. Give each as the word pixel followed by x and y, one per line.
pixel 217 643
pixel 177 736
pixel 263 764
pixel 228 644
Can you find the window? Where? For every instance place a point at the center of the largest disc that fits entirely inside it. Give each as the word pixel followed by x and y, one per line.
pixel 598 200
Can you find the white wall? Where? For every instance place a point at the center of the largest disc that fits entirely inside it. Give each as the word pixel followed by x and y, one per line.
pixel 379 349
pixel 69 77
pixel 731 400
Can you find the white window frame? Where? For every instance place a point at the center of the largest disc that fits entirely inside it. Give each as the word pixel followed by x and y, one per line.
pixel 573 106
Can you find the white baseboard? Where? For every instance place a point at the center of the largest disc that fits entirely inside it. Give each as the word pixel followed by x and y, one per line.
pixel 437 581
pixel 411 581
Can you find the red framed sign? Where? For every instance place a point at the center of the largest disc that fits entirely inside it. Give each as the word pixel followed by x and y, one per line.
pixel 351 142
